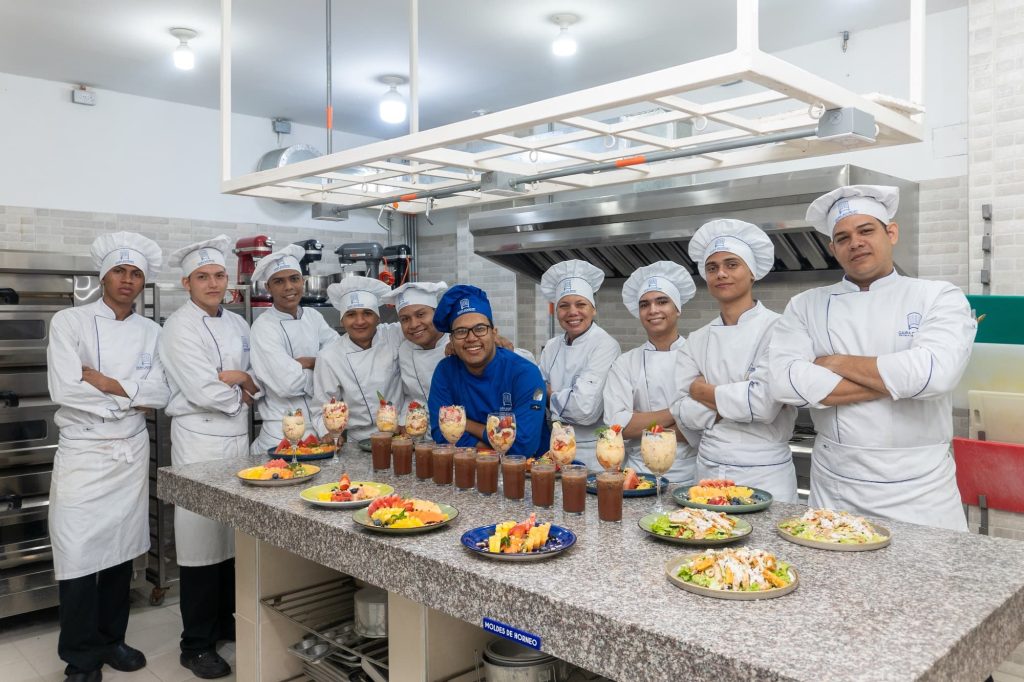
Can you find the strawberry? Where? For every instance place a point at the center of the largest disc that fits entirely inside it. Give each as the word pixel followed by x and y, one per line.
pixel 505 423
pixel 382 399
pixel 414 405
pixel 656 428
pixel 617 428
pixel 341 496
pixel 344 482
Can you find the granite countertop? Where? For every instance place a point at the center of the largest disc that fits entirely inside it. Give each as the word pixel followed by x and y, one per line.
pixel 935 604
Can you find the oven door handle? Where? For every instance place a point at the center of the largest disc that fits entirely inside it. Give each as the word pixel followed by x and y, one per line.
pixel 8 296
pixel 10 398
pixel 13 500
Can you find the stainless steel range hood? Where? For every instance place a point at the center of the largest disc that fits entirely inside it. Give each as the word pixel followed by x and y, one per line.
pixel 621 233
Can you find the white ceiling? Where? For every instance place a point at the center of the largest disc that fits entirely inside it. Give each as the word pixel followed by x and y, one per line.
pixel 474 54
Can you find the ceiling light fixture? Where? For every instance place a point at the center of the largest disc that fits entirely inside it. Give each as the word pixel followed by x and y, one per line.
pixel 184 58
pixel 393 108
pixel 564 44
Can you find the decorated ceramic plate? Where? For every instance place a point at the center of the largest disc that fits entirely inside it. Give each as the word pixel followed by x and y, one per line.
pixel 314 493
pixel 641 492
pixel 362 518
pixel 252 476
pixel 559 540
pixel 762 500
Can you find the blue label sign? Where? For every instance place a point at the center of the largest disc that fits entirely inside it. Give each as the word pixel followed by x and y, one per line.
pixel 515 634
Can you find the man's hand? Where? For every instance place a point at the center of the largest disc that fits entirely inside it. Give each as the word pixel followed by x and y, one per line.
pixel 306 362
pixel 449 349
pixel 859 369
pixel 101 382
pixel 704 393
pixel 501 342
pixel 236 377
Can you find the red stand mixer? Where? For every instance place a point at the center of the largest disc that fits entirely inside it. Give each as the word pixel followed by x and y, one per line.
pixel 249 251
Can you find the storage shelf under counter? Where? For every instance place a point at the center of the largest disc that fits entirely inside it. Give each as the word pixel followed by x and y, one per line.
pixel 935 604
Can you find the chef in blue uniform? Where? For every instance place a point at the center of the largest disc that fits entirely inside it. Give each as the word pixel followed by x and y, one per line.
pixel 484 378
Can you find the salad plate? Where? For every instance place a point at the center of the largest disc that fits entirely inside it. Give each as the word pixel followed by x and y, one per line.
pixel 674 567
pixel 638 492
pixel 842 532
pixel 657 526
pixel 557 541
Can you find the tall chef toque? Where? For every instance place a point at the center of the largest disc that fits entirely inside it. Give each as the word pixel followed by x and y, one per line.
pixel 877 201
pixel 353 293
pixel 279 261
pixel 461 299
pixel 665 276
pixel 571 277
pixel 415 293
pixel 126 248
pixel 745 240
pixel 194 256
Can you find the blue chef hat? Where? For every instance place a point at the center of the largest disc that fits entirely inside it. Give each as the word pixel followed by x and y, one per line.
pixel 460 300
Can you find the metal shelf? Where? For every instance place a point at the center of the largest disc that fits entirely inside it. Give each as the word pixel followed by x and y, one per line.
pixel 327 611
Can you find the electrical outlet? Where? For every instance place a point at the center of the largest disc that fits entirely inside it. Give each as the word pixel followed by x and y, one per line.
pixel 86 97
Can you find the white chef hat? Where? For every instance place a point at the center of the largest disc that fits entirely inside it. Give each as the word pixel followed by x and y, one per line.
pixel 571 277
pixel 877 201
pixel 206 252
pixel 415 293
pixel 126 248
pixel 746 240
pixel 357 292
pixel 285 259
pixel 665 276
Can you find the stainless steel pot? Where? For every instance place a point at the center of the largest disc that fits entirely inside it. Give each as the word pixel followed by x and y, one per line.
pixel 315 286
pixel 371 612
pixel 508 662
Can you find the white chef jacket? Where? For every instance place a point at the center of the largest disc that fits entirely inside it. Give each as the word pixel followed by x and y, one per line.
pixel 888 457
pixel 355 375
pixel 418 365
pixel 643 380
pixel 210 420
pixel 277 340
pixel 751 442
pixel 577 374
pixel 99 490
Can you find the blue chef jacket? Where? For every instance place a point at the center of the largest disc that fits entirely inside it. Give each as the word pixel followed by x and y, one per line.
pixel 509 383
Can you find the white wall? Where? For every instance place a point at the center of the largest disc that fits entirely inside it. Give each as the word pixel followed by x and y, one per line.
pixel 141 156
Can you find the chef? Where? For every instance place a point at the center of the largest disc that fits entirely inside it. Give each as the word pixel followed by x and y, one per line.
pixel 484 378
pixel 424 346
pixel 206 358
pixel 575 363
pixel 641 386
pixel 364 361
pixel 286 340
pixel 722 370
pixel 875 357
pixel 103 370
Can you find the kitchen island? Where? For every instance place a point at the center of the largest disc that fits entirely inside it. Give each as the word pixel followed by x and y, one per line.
pixel 934 605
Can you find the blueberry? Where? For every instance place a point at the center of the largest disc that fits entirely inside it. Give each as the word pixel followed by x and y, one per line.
pixel 276 476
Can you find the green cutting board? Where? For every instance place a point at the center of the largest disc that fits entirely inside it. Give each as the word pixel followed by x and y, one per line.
pixel 1002 319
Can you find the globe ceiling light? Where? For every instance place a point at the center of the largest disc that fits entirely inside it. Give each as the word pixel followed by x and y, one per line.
pixel 564 44
pixel 393 108
pixel 184 58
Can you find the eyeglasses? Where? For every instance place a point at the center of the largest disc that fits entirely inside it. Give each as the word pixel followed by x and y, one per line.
pixel 479 331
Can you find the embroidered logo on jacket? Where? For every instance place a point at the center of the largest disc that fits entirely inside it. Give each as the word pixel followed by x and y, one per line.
pixel 913 324
pixel 245 344
pixel 145 361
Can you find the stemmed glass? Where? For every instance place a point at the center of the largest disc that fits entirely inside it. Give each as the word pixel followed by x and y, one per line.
pixel 501 431
pixel 452 420
pixel 658 449
pixel 563 443
pixel 335 420
pixel 293 426
pixel 387 415
pixel 609 450
pixel 416 421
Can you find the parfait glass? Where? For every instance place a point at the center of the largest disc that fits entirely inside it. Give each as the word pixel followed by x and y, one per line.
pixel 452 421
pixel 658 449
pixel 610 450
pixel 563 443
pixel 335 420
pixel 293 426
pixel 416 421
pixel 501 431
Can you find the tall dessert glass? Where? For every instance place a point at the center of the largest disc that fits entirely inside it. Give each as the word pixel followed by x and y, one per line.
pixel 293 426
pixel 335 421
pixel 658 449
pixel 563 443
pixel 609 449
pixel 501 431
pixel 452 420
pixel 416 421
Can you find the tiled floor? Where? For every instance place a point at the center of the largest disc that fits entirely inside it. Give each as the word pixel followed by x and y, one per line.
pixel 28 645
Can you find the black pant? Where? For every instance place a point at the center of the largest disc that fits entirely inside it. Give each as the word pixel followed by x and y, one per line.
pixel 93 616
pixel 207 605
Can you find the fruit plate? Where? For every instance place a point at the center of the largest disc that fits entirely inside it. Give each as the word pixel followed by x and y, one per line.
pixel 279 482
pixel 672 571
pixel 740 531
pixel 763 497
pixel 558 469
pixel 836 546
pixel 274 454
pixel 559 540
pixel 649 492
pixel 363 519
pixel 311 495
